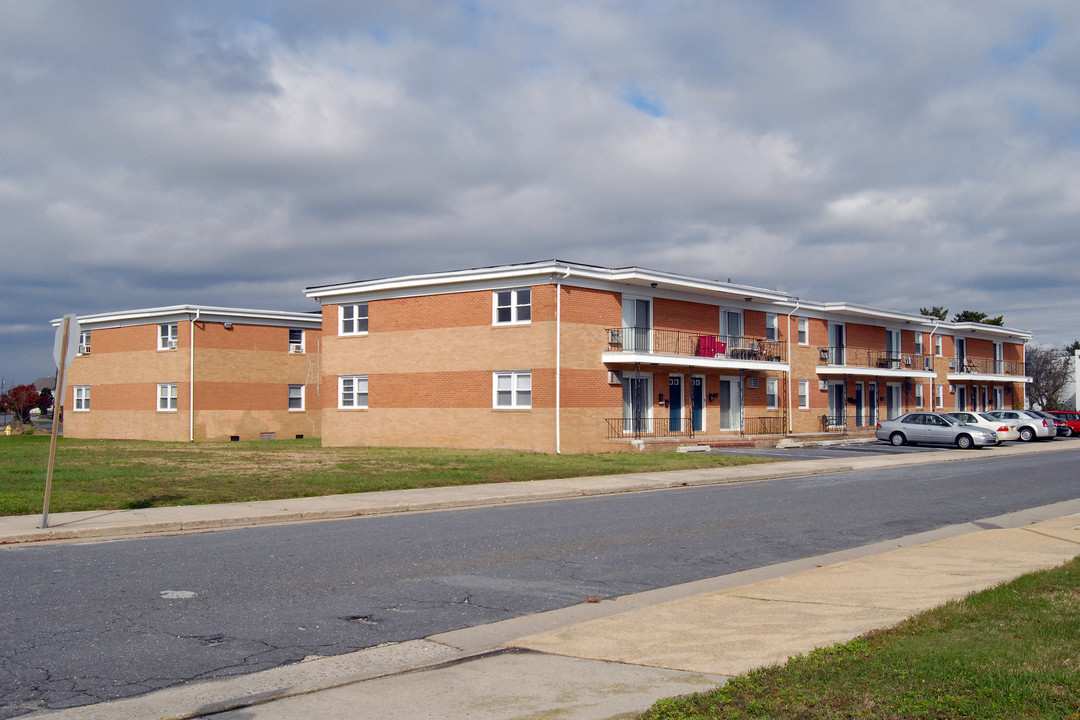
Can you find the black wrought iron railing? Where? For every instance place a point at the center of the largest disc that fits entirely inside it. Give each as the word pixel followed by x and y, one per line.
pixel 874 358
pixel 688 344
pixel 986 366
pixel 665 427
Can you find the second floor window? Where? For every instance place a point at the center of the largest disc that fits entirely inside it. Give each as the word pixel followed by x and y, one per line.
pixel 296 340
pixel 168 336
pixel 772 331
pixel 354 319
pixel 84 342
pixel 804 331
pixel 513 306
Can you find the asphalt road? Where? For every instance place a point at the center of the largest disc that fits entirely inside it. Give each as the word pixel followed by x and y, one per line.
pixel 85 623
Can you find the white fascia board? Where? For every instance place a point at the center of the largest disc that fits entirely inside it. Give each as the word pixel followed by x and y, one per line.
pixel 979 329
pixel 176 313
pixel 908 321
pixel 540 273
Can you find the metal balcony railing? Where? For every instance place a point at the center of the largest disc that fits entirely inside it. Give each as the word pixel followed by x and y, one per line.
pixel 986 366
pixel 687 344
pixel 874 358
pixel 666 427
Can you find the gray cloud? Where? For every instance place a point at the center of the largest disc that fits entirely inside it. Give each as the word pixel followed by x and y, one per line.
pixel 893 154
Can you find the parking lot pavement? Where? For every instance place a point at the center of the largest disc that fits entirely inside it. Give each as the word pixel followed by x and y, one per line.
pixel 857 448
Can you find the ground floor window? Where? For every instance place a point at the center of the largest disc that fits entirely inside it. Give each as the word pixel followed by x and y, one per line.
pixel 352 391
pixel 512 389
pixel 166 393
pixel 296 397
pixel 82 398
pixel 804 394
pixel 772 393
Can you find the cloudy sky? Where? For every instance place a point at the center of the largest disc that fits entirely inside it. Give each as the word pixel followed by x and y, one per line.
pixel 895 153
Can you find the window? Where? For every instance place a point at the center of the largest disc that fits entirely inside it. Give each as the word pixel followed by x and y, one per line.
pixel 937 345
pixel 804 394
pixel 771 393
pixel 941 396
pixel 296 397
pixel 166 397
pixel 772 331
pixel 919 396
pixel 513 306
pixel 513 389
pixel 918 343
pixel 353 391
pixel 354 319
pixel 296 340
pixel 730 324
pixel 168 336
pixel 804 331
pixel 82 398
pixel 84 342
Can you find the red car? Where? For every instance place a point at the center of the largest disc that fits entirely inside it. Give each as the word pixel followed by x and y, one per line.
pixel 1071 418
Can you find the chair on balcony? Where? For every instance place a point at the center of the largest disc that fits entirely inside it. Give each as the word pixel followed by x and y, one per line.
pixel 708 346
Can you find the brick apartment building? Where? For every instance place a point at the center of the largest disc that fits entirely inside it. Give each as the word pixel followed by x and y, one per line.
pixel 194 373
pixel 563 357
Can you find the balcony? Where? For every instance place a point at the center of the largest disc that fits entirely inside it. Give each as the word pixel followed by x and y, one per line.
pixel 968 367
pixel 873 362
pixel 632 344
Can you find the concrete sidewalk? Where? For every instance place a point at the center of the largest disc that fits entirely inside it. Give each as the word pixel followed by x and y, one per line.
pixel 615 658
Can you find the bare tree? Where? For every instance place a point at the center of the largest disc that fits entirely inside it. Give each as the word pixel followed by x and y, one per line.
pixel 1050 371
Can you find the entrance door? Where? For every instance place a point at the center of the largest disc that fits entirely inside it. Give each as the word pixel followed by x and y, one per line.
pixel 637 324
pixel 730 406
pixel 675 403
pixel 893 401
pixel 837 404
pixel 637 391
pixel 859 405
pixel 871 403
pixel 697 403
pixel 961 398
pixel 836 344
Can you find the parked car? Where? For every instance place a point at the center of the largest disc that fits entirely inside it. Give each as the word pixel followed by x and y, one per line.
pixel 1071 418
pixel 1031 426
pixel 1062 427
pixel 1004 429
pixel 933 429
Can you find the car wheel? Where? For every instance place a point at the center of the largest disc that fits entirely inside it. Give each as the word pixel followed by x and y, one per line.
pixel 964 442
pixel 897 439
pixel 1068 432
pixel 1027 434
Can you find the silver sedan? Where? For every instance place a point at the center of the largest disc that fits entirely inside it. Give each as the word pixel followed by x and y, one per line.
pixel 933 429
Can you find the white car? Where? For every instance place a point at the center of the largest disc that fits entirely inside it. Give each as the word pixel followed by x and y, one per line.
pixel 1005 429
pixel 1030 425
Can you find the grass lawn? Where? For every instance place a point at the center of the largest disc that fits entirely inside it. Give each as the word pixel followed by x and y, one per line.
pixel 113 474
pixel 1009 652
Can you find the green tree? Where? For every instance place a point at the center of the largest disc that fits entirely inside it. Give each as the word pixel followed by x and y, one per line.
pixel 937 311
pixel 1071 349
pixel 974 316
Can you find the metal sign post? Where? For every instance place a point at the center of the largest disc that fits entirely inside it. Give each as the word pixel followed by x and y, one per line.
pixel 63 352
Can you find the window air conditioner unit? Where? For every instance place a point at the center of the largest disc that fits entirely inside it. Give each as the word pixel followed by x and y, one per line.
pixel 84 349
pixel 296 348
pixel 952 363
pixel 614 377
pixel 752 383
pixel 952 389
pixel 172 344
pixel 823 385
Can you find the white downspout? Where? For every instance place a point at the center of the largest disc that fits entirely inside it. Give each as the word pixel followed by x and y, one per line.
pixel 191 380
pixel 790 409
pixel 932 402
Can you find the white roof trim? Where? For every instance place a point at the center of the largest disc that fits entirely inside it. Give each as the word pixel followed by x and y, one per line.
pixel 205 312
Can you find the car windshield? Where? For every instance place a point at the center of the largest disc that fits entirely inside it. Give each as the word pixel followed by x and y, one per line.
pixel 950 420
pixel 988 416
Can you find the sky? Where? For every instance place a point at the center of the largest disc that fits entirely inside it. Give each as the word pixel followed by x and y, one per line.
pixel 894 153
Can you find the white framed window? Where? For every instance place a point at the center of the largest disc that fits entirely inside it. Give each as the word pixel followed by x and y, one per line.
pixel 512 307
pixel 918 343
pixel 512 389
pixel 772 393
pixel 941 396
pixel 937 345
pixel 296 397
pixel 804 331
pixel 804 394
pixel 296 340
pixel 919 396
pixel 353 319
pixel 772 327
pixel 731 324
pixel 353 392
pixel 166 397
pixel 82 398
pixel 84 342
pixel 168 336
